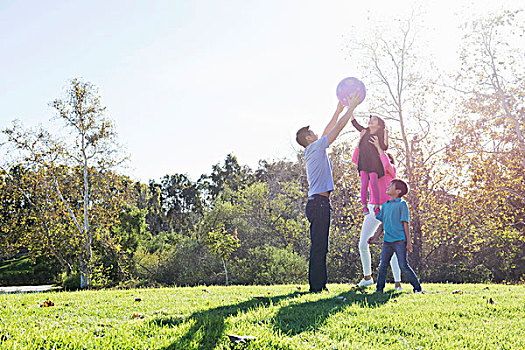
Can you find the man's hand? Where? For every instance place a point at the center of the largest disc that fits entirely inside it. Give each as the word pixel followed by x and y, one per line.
pixel 372 239
pixel 409 247
pixel 353 100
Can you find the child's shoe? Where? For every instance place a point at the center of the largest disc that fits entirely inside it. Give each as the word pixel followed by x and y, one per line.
pixel 377 210
pixel 366 211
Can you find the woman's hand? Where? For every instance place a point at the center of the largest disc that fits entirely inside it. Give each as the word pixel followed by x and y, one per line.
pixel 375 141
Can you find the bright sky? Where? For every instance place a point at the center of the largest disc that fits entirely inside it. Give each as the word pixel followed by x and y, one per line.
pixel 188 82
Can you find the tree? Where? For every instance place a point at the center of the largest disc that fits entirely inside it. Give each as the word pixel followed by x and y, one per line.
pixel 222 244
pixel 487 150
pixel 78 167
pixel 230 174
pixel 182 203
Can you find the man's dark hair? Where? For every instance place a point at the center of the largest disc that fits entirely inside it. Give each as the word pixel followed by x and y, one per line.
pixel 301 136
pixel 400 185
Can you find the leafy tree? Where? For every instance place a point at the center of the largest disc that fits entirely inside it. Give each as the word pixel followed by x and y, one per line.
pixel 78 167
pixel 486 153
pixel 223 245
pixel 181 201
pixel 230 175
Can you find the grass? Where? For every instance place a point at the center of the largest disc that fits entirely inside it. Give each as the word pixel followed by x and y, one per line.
pixel 280 317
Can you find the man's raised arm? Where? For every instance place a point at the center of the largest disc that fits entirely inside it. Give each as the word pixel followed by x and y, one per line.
pixel 333 121
pixel 341 123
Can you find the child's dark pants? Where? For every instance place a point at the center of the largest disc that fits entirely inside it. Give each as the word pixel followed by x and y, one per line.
pixel 400 248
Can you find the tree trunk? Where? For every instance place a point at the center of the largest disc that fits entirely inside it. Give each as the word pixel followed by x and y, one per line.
pixel 85 263
pixel 85 274
pixel 225 270
pixel 417 236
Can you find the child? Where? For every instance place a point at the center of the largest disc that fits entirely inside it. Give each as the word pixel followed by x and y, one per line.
pixel 394 216
pixel 369 164
pixel 320 185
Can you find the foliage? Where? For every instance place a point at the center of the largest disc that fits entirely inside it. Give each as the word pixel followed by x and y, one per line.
pixel 487 151
pixel 272 265
pixel 70 182
pixel 23 271
pixel 185 262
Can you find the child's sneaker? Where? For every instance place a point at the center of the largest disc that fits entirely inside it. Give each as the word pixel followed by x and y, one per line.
pixel 366 283
pixel 398 289
pixel 377 210
pixel 366 211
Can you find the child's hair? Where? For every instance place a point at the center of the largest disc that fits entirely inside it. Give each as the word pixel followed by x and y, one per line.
pixel 391 158
pixel 301 136
pixel 380 121
pixel 400 185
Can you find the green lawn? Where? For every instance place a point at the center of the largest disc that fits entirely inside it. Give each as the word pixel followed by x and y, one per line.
pixel 280 317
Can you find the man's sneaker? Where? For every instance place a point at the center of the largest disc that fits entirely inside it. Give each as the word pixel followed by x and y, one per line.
pixel 419 292
pixel 398 289
pixel 366 283
pixel 366 211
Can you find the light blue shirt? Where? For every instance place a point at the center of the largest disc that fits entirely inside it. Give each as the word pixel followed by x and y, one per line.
pixel 392 214
pixel 318 167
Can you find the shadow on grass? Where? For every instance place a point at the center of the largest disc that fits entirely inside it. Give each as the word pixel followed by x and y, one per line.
pixel 207 327
pixel 307 316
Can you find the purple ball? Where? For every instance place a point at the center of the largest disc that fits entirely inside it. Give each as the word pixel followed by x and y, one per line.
pixel 347 87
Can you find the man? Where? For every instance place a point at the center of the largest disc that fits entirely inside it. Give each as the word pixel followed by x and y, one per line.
pixel 321 184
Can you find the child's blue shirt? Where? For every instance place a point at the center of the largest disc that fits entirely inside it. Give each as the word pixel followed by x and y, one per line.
pixel 392 215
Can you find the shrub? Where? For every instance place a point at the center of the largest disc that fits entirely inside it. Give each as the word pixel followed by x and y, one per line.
pixel 457 272
pixel 71 282
pixel 272 265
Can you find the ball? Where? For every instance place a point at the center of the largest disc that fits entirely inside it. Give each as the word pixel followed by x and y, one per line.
pixel 347 87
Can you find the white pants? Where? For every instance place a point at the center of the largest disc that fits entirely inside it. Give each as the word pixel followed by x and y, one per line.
pixel 370 225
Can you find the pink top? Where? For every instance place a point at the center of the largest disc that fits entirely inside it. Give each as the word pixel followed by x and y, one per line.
pixel 390 174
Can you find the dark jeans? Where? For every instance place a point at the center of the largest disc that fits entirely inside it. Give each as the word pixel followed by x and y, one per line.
pixel 400 248
pixel 318 212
